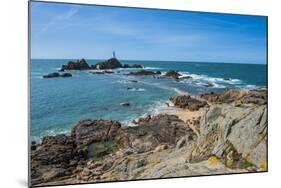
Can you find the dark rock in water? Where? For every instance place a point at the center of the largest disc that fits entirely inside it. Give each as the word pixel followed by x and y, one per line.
pixel 186 101
pixel 52 75
pixel 132 66
pixel 112 63
pixel 78 65
pixel 61 70
pixel 227 79
pixel 144 73
pixel 172 74
pixel 158 72
pixel 108 72
pixel 66 75
pixel 56 75
pixel 208 85
pixel 136 66
pixel 134 81
pixel 125 104
pixel 99 72
pixel 126 66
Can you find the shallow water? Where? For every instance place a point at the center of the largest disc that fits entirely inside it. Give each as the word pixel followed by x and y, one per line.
pixel 57 104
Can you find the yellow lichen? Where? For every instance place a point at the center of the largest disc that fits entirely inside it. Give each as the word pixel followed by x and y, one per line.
pixel 263 165
pixel 213 160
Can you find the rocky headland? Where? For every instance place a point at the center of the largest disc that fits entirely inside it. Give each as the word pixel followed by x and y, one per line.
pixel 214 133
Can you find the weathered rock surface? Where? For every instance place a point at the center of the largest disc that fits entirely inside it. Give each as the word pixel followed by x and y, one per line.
pixel 238 96
pixel 233 134
pixel 188 102
pixel 76 65
pixel 231 138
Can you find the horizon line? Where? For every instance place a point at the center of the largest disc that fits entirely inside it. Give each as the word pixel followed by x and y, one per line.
pixel 186 61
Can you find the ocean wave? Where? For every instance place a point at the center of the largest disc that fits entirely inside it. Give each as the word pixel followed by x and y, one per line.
pixel 152 68
pixel 136 89
pixel 154 109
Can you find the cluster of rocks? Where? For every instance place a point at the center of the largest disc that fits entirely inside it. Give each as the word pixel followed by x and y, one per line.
pixel 188 102
pixel 112 63
pixel 65 156
pixel 76 65
pixel 56 75
pixel 229 138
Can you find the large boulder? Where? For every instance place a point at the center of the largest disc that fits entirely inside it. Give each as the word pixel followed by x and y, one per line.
pixel 188 102
pixel 89 131
pixel 77 65
pixel 157 130
pixel 112 63
pixel 236 135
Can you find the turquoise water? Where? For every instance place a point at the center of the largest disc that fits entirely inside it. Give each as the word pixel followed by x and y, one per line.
pixel 57 104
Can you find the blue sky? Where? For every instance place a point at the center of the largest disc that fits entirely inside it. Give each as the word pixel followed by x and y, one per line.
pixel 93 32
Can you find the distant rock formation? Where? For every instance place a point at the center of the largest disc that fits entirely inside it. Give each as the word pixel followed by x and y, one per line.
pixel 78 65
pixel 172 74
pixel 144 73
pixel 112 63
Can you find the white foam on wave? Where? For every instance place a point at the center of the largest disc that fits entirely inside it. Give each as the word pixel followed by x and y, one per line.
pixel 152 68
pixel 136 89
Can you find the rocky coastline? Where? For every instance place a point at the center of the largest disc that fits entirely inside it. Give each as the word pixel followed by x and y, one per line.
pixel 214 133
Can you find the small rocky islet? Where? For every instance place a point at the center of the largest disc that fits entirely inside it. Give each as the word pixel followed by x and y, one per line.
pixel 229 136
pixel 106 67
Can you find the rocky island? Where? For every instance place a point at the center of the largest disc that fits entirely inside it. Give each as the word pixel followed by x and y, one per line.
pixel 206 134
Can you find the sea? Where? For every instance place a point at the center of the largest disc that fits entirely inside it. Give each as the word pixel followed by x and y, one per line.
pixel 58 104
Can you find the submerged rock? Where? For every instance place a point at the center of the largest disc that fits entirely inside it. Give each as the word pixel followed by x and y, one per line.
pixel 125 104
pixel 56 75
pixel 132 66
pixel 52 75
pixel 144 73
pixel 186 101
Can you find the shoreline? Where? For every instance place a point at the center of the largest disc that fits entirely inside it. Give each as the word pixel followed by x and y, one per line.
pixel 161 145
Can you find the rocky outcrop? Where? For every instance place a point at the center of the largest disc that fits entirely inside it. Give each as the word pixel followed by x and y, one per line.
pixel 111 63
pixel 238 96
pixel 144 73
pixel 234 135
pixel 76 65
pixel 188 102
pixel 172 74
pixel 229 138
pixel 57 75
